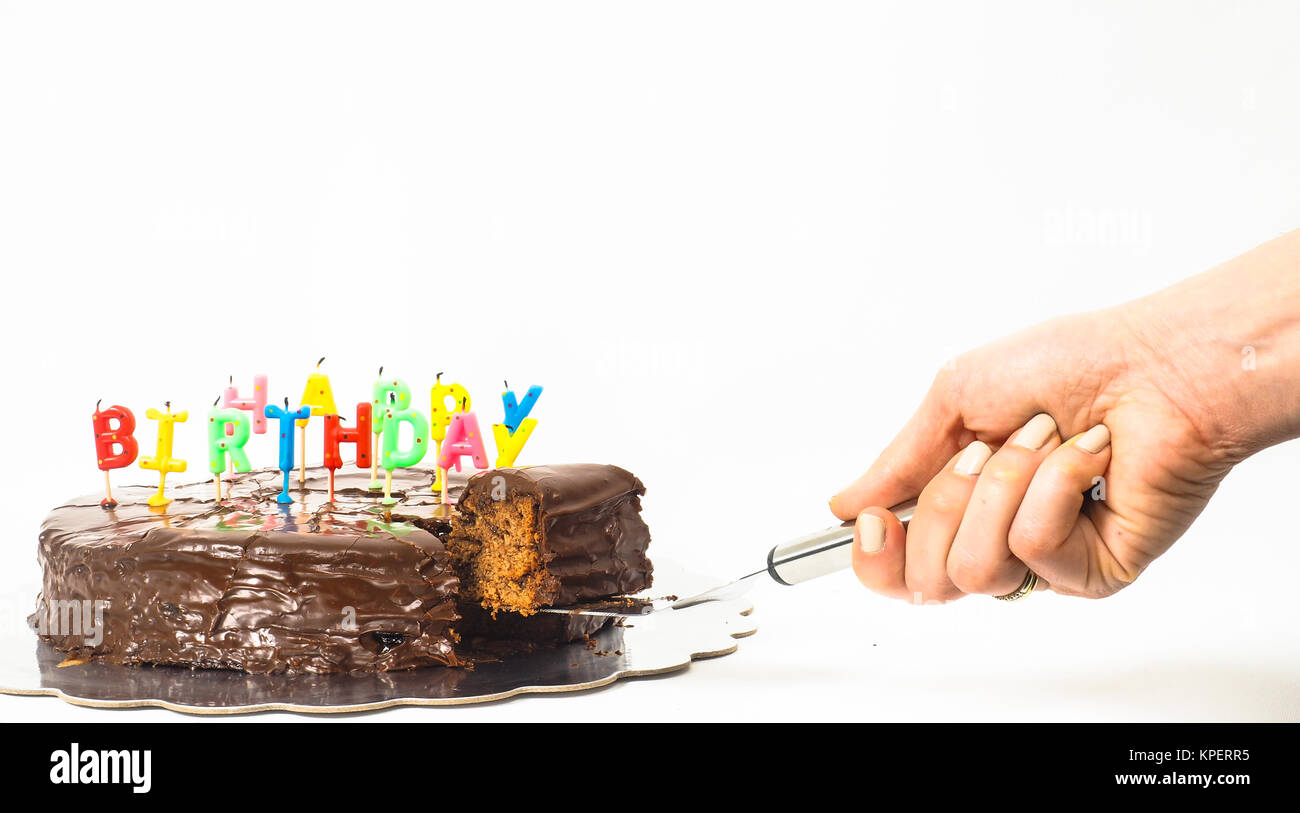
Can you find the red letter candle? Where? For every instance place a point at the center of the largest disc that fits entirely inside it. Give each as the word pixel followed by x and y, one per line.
pixel 336 435
pixel 115 445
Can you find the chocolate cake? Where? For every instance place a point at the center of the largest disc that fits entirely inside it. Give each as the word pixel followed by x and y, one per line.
pixel 318 586
pixel 543 536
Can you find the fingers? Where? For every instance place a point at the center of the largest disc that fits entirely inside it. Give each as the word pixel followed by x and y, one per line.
pixel 928 440
pixel 879 549
pixel 1049 534
pixel 980 559
pixel 938 515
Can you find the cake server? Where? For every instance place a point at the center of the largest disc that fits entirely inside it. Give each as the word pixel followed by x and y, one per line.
pixel 797 561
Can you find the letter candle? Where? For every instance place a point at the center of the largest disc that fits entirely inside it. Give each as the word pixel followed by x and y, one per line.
pixel 440 416
pixel 517 412
pixel 463 438
pixel 287 420
pixel 115 444
pixel 162 461
pixel 395 458
pixel 336 435
pixel 320 397
pixel 517 427
pixel 387 394
pixel 257 405
pixel 228 432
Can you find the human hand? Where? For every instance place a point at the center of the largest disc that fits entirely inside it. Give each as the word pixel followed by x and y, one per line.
pixel 1007 441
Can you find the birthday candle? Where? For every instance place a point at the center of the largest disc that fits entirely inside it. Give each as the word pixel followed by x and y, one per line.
pixel 463 438
pixel 336 435
pixel 396 458
pixel 257 404
pixel 516 412
pixel 115 444
pixel 221 445
pixel 385 394
pixel 511 443
pixel 318 395
pixel 162 461
pixel 440 415
pixel 287 418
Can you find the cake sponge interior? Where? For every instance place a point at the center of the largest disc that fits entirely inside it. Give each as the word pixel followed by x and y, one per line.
pixel 498 551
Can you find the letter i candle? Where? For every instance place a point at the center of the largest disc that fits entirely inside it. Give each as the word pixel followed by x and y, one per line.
pixel 162 461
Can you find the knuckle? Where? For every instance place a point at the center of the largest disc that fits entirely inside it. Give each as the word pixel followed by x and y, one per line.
pixel 970 576
pixel 1029 543
pixel 1062 471
pixel 940 498
pixel 1004 469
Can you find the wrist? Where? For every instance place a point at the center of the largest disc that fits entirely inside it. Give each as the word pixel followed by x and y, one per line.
pixel 1225 347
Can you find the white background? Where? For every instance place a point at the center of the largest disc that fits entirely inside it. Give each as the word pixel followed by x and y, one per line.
pixel 733 241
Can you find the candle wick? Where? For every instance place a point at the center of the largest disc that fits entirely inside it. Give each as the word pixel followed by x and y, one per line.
pixel 97 403
pixel 214 402
pixel 319 363
pixel 439 378
pixel 507 383
pixel 286 402
pixel 168 404
pixel 381 371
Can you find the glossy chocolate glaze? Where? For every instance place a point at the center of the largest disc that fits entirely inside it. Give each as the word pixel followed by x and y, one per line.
pixel 310 587
pixel 593 538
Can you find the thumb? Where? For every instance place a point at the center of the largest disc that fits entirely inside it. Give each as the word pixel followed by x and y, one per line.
pixel 917 454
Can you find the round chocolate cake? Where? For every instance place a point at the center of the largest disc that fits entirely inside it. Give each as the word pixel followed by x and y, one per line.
pixel 348 585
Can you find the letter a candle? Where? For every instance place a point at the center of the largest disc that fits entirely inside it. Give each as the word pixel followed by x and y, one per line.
pixel 115 444
pixel 162 461
pixel 463 438
pixel 440 416
pixel 320 397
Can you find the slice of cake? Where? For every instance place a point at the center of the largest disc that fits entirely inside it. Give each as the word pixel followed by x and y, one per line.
pixel 543 536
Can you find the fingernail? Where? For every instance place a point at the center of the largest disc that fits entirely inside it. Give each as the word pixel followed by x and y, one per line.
pixel 973 459
pixel 1095 439
pixel 1036 432
pixel 870 531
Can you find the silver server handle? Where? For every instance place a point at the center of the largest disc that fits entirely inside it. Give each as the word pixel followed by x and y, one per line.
pixel 822 552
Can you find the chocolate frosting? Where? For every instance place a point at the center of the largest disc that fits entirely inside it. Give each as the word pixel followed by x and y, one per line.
pixel 317 586
pixel 250 584
pixel 562 489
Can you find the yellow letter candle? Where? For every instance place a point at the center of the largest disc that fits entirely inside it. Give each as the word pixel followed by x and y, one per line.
pixel 319 396
pixel 162 461
pixel 509 445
